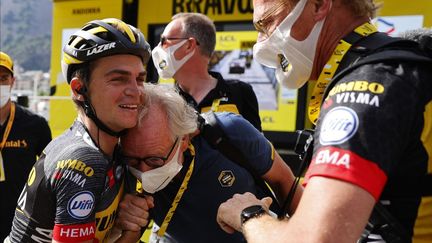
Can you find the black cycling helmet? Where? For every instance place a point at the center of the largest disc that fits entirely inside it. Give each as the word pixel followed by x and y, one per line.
pixel 101 38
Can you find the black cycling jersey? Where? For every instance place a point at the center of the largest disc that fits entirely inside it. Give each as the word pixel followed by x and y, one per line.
pixel 72 192
pixel 378 119
pixel 230 96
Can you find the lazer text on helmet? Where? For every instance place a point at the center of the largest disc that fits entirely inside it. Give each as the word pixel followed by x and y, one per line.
pixel 101 48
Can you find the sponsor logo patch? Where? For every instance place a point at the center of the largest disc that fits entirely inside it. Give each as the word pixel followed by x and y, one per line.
pixel 101 48
pixel 105 218
pixel 75 165
pixel 226 178
pixel 74 233
pixel 70 175
pixel 339 125
pixel 81 205
pixel 337 158
pixel 358 98
pixel 357 86
pixel 16 144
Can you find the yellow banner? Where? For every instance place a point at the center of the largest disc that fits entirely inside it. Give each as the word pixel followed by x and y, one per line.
pixel 161 11
pixel 69 16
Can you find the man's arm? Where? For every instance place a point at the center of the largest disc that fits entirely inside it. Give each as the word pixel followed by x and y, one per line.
pixel 280 179
pixel 330 211
pixel 259 155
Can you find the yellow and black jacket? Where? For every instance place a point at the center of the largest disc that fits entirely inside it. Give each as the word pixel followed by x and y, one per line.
pixel 230 96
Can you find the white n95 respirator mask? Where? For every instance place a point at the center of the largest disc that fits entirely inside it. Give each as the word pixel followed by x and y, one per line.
pixel 165 62
pixel 292 59
pixel 157 179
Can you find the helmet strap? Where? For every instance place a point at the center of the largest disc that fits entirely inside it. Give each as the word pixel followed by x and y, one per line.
pixel 91 113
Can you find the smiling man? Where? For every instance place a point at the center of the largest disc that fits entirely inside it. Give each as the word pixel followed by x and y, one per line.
pixel 74 189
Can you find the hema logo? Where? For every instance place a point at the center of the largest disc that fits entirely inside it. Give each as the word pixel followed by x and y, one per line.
pixel 81 205
pixel 339 125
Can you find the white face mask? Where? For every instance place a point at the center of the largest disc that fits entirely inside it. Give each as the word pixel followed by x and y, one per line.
pixel 5 94
pixel 157 179
pixel 299 54
pixel 165 62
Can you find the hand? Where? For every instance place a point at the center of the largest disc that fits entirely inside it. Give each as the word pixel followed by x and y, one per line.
pixel 133 212
pixel 228 216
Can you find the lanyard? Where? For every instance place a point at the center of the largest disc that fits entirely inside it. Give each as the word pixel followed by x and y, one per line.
pixel 5 136
pixel 179 195
pixel 8 126
pixel 330 69
pixel 215 105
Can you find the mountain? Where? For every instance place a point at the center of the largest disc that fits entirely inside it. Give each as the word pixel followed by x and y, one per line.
pixel 25 32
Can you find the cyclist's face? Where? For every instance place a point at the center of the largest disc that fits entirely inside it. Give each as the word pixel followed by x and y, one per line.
pixel 116 89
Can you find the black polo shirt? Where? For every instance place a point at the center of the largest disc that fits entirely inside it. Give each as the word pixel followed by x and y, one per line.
pixel 228 95
pixel 27 138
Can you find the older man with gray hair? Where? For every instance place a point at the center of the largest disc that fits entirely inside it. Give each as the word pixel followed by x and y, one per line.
pixel 186 176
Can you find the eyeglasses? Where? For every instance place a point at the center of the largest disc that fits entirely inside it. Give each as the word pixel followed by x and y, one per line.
pixel 163 39
pixel 260 25
pixel 152 161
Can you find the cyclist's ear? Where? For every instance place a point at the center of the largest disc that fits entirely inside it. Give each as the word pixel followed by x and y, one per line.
pixel 78 89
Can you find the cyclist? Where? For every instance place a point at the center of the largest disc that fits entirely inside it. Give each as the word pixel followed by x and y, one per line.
pixel 73 190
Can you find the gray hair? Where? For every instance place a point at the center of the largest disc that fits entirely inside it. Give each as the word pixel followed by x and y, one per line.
pixel 419 35
pixel 201 28
pixel 182 118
